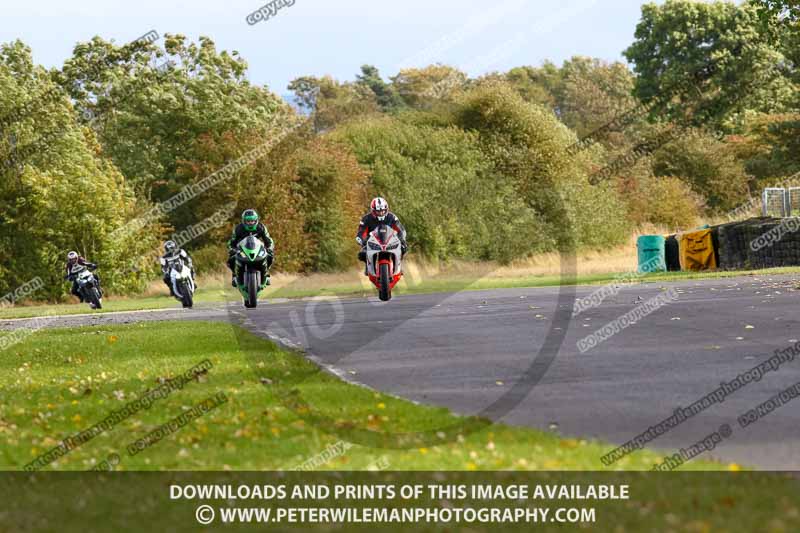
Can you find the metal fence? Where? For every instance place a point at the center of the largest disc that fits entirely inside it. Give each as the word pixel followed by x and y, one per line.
pixel 776 201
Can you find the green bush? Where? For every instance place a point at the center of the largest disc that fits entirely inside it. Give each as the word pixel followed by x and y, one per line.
pixel 528 147
pixel 334 198
pixel 708 165
pixel 209 259
pixel 666 201
pixel 452 202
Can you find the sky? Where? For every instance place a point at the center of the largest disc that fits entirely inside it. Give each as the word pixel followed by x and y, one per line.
pixel 336 37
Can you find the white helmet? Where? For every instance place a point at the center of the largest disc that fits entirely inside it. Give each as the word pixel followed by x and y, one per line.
pixel 170 247
pixel 379 208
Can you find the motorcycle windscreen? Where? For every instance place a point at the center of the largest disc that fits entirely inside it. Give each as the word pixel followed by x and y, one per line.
pixel 383 233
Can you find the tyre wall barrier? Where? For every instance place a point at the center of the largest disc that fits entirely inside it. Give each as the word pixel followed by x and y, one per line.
pixel 672 253
pixel 761 242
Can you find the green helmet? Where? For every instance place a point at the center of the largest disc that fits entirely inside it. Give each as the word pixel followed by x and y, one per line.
pixel 250 219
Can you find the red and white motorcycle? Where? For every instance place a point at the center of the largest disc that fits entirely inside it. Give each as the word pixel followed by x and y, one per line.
pixel 384 260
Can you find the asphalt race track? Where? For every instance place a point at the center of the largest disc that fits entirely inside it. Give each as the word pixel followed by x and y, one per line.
pixel 466 350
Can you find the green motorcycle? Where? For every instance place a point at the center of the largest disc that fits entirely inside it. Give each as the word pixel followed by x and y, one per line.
pixel 252 269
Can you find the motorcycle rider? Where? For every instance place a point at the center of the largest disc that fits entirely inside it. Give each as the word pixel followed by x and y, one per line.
pixel 251 225
pixel 378 214
pixel 172 252
pixel 73 258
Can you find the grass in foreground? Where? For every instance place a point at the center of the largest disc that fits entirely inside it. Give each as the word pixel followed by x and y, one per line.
pixel 60 382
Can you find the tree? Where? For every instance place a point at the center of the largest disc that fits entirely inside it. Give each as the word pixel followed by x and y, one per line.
pixel 592 94
pixel 57 193
pixel 785 10
pixel 334 189
pixel 589 95
pixel 529 147
pixel 708 165
pixel 538 85
pixel 148 118
pixel 707 63
pixel 306 91
pixel 385 94
pixel 444 189
pixel 667 201
pixel 331 102
pixel 770 147
pixel 421 87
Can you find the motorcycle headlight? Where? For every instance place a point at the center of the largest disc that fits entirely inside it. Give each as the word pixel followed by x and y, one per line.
pixel 373 246
pixel 262 253
pixel 394 246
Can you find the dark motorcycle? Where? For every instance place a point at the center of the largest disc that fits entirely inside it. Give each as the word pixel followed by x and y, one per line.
pixel 252 257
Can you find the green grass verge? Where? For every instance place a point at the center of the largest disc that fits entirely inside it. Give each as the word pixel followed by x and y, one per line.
pixel 110 305
pixel 442 283
pixel 59 382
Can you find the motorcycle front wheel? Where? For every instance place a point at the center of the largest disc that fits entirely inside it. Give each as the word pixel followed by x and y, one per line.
pixel 186 296
pixel 385 291
pixel 252 282
pixel 93 297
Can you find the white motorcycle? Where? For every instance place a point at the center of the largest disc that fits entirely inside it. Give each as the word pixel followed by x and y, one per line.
pixel 87 285
pixel 180 276
pixel 384 260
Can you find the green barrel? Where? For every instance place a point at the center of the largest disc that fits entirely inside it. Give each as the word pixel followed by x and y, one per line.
pixel 651 253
